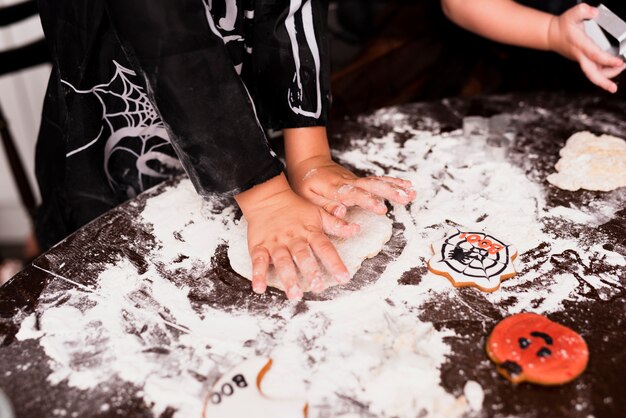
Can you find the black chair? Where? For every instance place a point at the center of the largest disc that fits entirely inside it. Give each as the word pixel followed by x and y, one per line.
pixel 13 60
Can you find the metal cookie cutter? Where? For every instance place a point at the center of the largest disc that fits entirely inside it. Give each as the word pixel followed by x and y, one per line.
pixel 608 31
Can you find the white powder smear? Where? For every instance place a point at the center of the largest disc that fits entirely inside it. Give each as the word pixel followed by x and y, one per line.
pixel 474 394
pixel 184 225
pixel 363 352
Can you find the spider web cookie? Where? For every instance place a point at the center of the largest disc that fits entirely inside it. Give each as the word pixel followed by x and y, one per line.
pixel 473 259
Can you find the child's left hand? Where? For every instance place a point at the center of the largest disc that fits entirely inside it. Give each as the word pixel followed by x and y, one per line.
pixel 334 188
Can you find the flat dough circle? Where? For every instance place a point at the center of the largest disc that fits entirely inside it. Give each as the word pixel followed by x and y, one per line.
pixel 591 162
pixel 375 231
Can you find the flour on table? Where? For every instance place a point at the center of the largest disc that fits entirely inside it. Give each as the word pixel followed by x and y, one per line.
pixel 591 162
pixel 375 231
pixel 186 226
pixel 371 352
pixel 474 394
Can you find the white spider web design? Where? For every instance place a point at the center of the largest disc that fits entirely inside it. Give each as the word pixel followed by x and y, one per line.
pixel 127 113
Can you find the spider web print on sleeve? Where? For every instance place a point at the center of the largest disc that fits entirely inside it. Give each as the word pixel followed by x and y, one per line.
pixel 136 139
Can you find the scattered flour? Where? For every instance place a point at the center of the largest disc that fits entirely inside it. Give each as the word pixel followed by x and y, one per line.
pixel 474 394
pixel 363 352
pixel 185 225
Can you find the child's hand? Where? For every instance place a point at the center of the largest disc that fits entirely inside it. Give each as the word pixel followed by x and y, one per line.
pixel 566 35
pixel 334 188
pixel 283 228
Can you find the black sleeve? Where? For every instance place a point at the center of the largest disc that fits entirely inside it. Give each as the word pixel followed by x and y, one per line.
pixel 291 62
pixel 204 104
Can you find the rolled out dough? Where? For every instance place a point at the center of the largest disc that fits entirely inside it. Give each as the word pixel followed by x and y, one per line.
pixel 591 162
pixel 375 231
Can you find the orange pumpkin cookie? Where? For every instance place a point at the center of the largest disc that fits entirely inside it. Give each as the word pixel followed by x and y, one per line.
pixel 238 394
pixel 529 347
pixel 473 259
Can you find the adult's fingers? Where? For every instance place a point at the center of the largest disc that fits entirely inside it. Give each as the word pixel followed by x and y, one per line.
pixel 386 190
pixel 355 196
pixel 307 264
pixel 593 73
pixel 327 253
pixel 283 263
pixel 338 227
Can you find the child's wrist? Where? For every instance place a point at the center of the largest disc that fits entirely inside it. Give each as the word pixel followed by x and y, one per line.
pixel 302 144
pixel 254 198
pixel 553 35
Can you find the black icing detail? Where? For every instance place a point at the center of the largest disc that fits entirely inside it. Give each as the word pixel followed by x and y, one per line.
pixel 453 254
pixel 523 342
pixel 548 339
pixel 512 368
pixel 458 254
pixel 544 352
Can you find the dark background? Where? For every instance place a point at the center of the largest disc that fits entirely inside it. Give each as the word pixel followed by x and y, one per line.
pixel 387 52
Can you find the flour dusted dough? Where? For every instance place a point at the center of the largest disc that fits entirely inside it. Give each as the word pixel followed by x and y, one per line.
pixel 375 231
pixel 591 162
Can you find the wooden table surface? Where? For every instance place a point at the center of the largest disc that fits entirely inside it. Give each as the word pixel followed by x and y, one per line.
pixel 120 234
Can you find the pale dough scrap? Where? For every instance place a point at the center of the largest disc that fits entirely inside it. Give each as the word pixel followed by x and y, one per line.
pixel 591 162
pixel 375 231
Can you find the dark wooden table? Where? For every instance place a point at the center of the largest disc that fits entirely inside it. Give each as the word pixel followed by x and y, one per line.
pixel 119 235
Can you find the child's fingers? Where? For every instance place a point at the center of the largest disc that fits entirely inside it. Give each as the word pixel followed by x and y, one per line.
pixel 334 208
pixel 307 264
pixel 355 196
pixel 612 72
pixel 283 263
pixel 260 263
pixel 595 54
pixel 593 73
pixel 582 12
pixel 327 253
pixel 386 190
pixel 338 227
pixel 405 184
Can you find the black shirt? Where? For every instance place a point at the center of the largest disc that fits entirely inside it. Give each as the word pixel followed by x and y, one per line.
pixel 143 89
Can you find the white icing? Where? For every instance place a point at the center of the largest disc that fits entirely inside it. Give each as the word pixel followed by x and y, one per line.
pixel 482 267
pixel 236 394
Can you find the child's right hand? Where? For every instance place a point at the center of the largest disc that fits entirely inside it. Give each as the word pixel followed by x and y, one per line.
pixel 566 35
pixel 283 228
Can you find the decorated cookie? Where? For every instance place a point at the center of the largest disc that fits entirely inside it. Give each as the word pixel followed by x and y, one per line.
pixel 473 259
pixel 238 394
pixel 529 347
